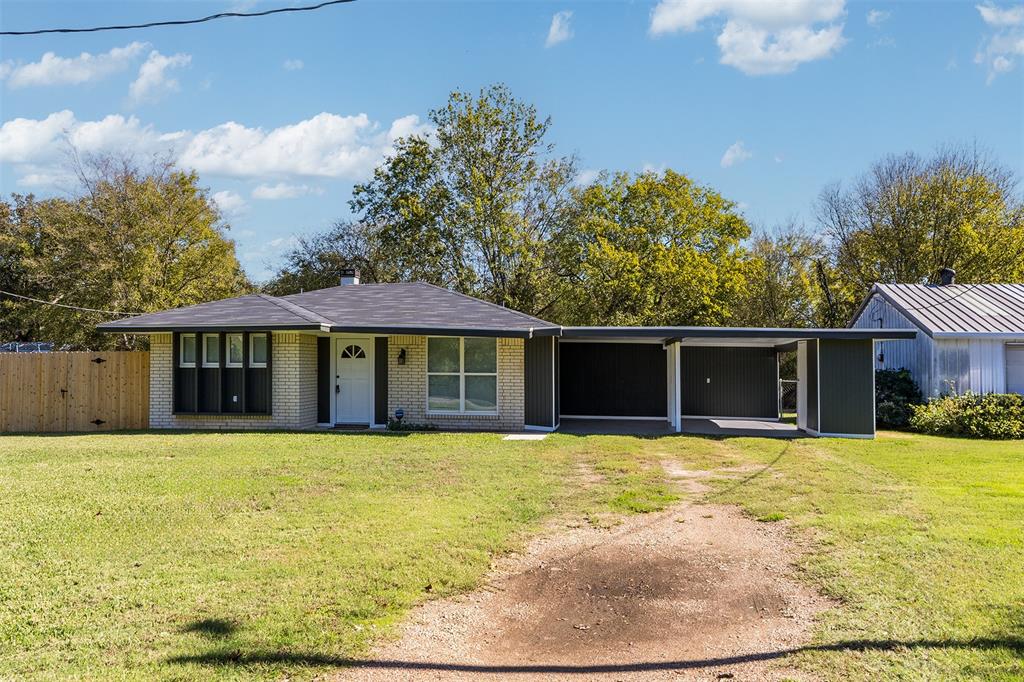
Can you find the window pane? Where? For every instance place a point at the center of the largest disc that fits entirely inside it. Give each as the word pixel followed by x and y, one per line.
pixel 259 349
pixel 481 355
pixel 442 355
pixel 443 392
pixel 235 349
pixel 212 349
pixel 481 394
pixel 188 348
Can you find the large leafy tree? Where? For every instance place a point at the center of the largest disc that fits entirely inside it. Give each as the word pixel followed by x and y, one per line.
pixel 910 216
pixel 474 206
pixel 650 249
pixel 790 282
pixel 133 239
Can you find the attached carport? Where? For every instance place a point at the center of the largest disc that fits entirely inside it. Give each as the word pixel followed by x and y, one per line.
pixel 672 374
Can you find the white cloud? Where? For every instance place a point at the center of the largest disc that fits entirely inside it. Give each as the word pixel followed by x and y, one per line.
pixel 735 154
pixel 560 30
pixel 230 202
pixel 153 81
pixel 52 69
pixel 293 64
pixel 327 145
pixel 758 37
pixel 587 177
pixel 999 17
pixel 877 17
pixel 999 51
pixel 283 190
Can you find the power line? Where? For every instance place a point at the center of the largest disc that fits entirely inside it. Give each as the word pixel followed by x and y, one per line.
pixel 180 22
pixel 71 307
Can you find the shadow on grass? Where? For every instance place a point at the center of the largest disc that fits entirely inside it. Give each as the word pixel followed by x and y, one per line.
pixel 214 628
pixel 237 658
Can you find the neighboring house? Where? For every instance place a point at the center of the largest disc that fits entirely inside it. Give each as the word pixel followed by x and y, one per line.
pixel 972 340
pixel 362 354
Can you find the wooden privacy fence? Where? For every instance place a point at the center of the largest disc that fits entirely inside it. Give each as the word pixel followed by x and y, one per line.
pixel 53 392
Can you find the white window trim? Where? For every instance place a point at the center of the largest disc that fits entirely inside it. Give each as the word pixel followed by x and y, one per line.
pixel 227 352
pixel 181 351
pixel 462 411
pixel 206 363
pixel 252 338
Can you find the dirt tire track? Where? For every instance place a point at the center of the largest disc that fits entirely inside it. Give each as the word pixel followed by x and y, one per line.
pixel 693 592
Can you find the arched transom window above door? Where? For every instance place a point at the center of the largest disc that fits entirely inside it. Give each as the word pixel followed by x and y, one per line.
pixel 353 351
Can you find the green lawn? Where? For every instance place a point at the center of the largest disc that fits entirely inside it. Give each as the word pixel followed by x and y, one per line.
pixel 263 555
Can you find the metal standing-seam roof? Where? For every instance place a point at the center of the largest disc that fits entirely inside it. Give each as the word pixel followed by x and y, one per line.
pixel 956 309
pixel 401 308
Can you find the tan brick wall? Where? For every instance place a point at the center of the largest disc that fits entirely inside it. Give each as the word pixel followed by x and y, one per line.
pixel 407 387
pixel 294 388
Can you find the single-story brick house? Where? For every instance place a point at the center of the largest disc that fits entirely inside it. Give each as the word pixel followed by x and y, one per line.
pixel 362 354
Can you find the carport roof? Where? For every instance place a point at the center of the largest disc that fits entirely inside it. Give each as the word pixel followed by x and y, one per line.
pixel 758 336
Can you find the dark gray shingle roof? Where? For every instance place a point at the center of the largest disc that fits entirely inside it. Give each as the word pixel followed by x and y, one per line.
pixel 373 308
pixel 957 308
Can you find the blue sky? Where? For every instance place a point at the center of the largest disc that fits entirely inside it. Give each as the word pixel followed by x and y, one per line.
pixel 765 101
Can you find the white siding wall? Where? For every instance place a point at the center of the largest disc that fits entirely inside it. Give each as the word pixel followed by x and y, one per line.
pixel 962 365
pixel 915 355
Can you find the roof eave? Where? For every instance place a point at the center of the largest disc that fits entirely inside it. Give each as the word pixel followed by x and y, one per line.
pixel 978 335
pixel 446 331
pixel 164 329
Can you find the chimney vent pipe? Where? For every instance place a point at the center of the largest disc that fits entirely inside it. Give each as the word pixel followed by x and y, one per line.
pixel 349 276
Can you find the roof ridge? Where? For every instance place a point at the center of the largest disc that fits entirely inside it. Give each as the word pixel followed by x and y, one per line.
pixel 489 303
pixel 296 309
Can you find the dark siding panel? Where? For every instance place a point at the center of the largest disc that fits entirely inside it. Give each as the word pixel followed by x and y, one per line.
pixel 184 388
pixel 743 382
pixel 380 380
pixel 209 390
pixel 847 387
pixel 812 385
pixel 257 390
pixel 323 380
pixel 538 389
pixel 233 386
pixel 613 379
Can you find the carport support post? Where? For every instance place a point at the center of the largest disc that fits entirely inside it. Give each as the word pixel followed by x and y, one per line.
pixel 677 403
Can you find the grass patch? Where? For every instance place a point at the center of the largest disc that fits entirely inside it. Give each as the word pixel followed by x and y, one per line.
pixel 920 539
pixel 151 555
pixel 279 555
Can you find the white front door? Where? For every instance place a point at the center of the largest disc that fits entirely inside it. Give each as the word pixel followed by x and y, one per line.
pixel 353 388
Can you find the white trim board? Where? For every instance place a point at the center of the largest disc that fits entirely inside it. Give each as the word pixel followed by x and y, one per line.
pixel 819 434
pixel 746 419
pixel 610 418
pixel 548 429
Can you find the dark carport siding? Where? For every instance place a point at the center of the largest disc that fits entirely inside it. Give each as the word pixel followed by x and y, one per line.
pixel 732 372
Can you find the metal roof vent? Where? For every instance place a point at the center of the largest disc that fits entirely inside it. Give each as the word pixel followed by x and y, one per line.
pixel 349 276
pixel 947 276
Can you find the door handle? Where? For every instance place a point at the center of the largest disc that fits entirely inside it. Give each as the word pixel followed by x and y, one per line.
pixel 337 388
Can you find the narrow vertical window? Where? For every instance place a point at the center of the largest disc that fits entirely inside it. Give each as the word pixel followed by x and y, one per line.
pixel 211 350
pixel 187 351
pixel 257 350
pixel 234 350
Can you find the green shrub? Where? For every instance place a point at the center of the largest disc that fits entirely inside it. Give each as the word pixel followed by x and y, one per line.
pixel 992 415
pixel 895 393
